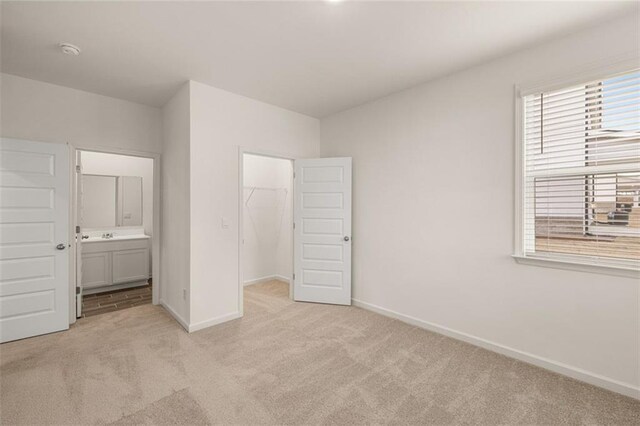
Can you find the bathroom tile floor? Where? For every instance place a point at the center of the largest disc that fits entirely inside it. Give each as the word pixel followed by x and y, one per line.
pixel 95 304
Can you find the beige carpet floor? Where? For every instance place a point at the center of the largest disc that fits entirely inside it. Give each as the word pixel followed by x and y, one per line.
pixel 283 363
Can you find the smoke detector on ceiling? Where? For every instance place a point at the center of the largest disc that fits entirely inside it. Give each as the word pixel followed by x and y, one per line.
pixel 69 49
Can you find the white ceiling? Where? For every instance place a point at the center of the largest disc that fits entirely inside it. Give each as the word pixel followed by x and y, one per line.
pixel 316 58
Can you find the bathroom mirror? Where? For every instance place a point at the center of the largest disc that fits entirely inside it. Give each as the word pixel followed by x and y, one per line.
pixel 111 201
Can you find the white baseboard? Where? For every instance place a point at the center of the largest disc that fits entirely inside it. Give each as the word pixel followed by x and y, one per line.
pixel 190 328
pixel 265 279
pixel 113 287
pixel 213 321
pixel 282 278
pixel 175 315
pixel 548 364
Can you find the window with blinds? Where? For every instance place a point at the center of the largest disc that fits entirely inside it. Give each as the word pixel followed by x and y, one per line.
pixel 581 173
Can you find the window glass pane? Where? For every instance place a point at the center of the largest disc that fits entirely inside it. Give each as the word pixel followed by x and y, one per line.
pixel 595 215
pixel 582 170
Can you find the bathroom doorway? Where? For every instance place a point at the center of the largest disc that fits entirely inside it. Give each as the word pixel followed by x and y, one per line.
pixel 266 232
pixel 116 218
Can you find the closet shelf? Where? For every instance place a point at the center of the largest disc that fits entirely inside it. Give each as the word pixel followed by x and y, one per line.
pixel 261 188
pixel 265 188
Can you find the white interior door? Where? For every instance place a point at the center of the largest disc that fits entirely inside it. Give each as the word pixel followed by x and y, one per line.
pixel 322 231
pixel 34 238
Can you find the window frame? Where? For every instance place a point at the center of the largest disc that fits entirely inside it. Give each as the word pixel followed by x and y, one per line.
pixel 611 67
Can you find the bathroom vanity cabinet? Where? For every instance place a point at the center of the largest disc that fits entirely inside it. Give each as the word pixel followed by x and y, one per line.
pixel 112 264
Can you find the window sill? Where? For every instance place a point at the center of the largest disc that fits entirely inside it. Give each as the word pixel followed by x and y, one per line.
pixel 578 266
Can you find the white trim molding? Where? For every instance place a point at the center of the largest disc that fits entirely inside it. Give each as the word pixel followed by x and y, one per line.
pixel 576 265
pixel 213 321
pixel 626 389
pixel 282 278
pixel 175 315
pixel 190 328
pixel 266 279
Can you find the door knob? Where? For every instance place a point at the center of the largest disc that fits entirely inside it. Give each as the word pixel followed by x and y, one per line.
pixel 61 246
pixel 346 238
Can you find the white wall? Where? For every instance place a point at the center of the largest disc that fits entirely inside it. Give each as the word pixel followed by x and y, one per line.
pixel 433 216
pixel 221 122
pixel 98 163
pixel 175 230
pixel 34 110
pixel 267 217
pixel 46 112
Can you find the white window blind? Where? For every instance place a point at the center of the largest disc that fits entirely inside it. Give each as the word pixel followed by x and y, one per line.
pixel 581 173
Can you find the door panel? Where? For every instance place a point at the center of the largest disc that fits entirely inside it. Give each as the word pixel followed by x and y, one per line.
pixel 130 265
pixel 34 219
pixel 96 269
pixel 322 235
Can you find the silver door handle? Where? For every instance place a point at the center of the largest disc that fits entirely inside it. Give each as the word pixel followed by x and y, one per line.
pixel 346 238
pixel 61 246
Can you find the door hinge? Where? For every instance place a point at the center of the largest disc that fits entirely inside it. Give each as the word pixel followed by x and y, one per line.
pixel 294 276
pixel 294 225
pixel 78 168
pixel 294 175
pixel 77 229
pixel 77 290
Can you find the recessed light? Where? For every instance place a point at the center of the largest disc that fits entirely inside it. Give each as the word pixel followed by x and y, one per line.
pixel 69 49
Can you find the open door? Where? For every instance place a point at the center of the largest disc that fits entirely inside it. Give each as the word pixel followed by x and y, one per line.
pixel 34 238
pixel 322 230
pixel 78 214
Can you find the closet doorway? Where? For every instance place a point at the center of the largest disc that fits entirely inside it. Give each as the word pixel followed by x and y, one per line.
pixel 266 213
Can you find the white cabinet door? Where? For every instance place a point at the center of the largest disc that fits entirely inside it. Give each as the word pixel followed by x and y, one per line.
pixel 322 235
pixel 34 238
pixel 96 269
pixel 130 265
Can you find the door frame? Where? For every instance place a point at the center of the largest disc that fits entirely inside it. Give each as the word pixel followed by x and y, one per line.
pixel 155 240
pixel 270 154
